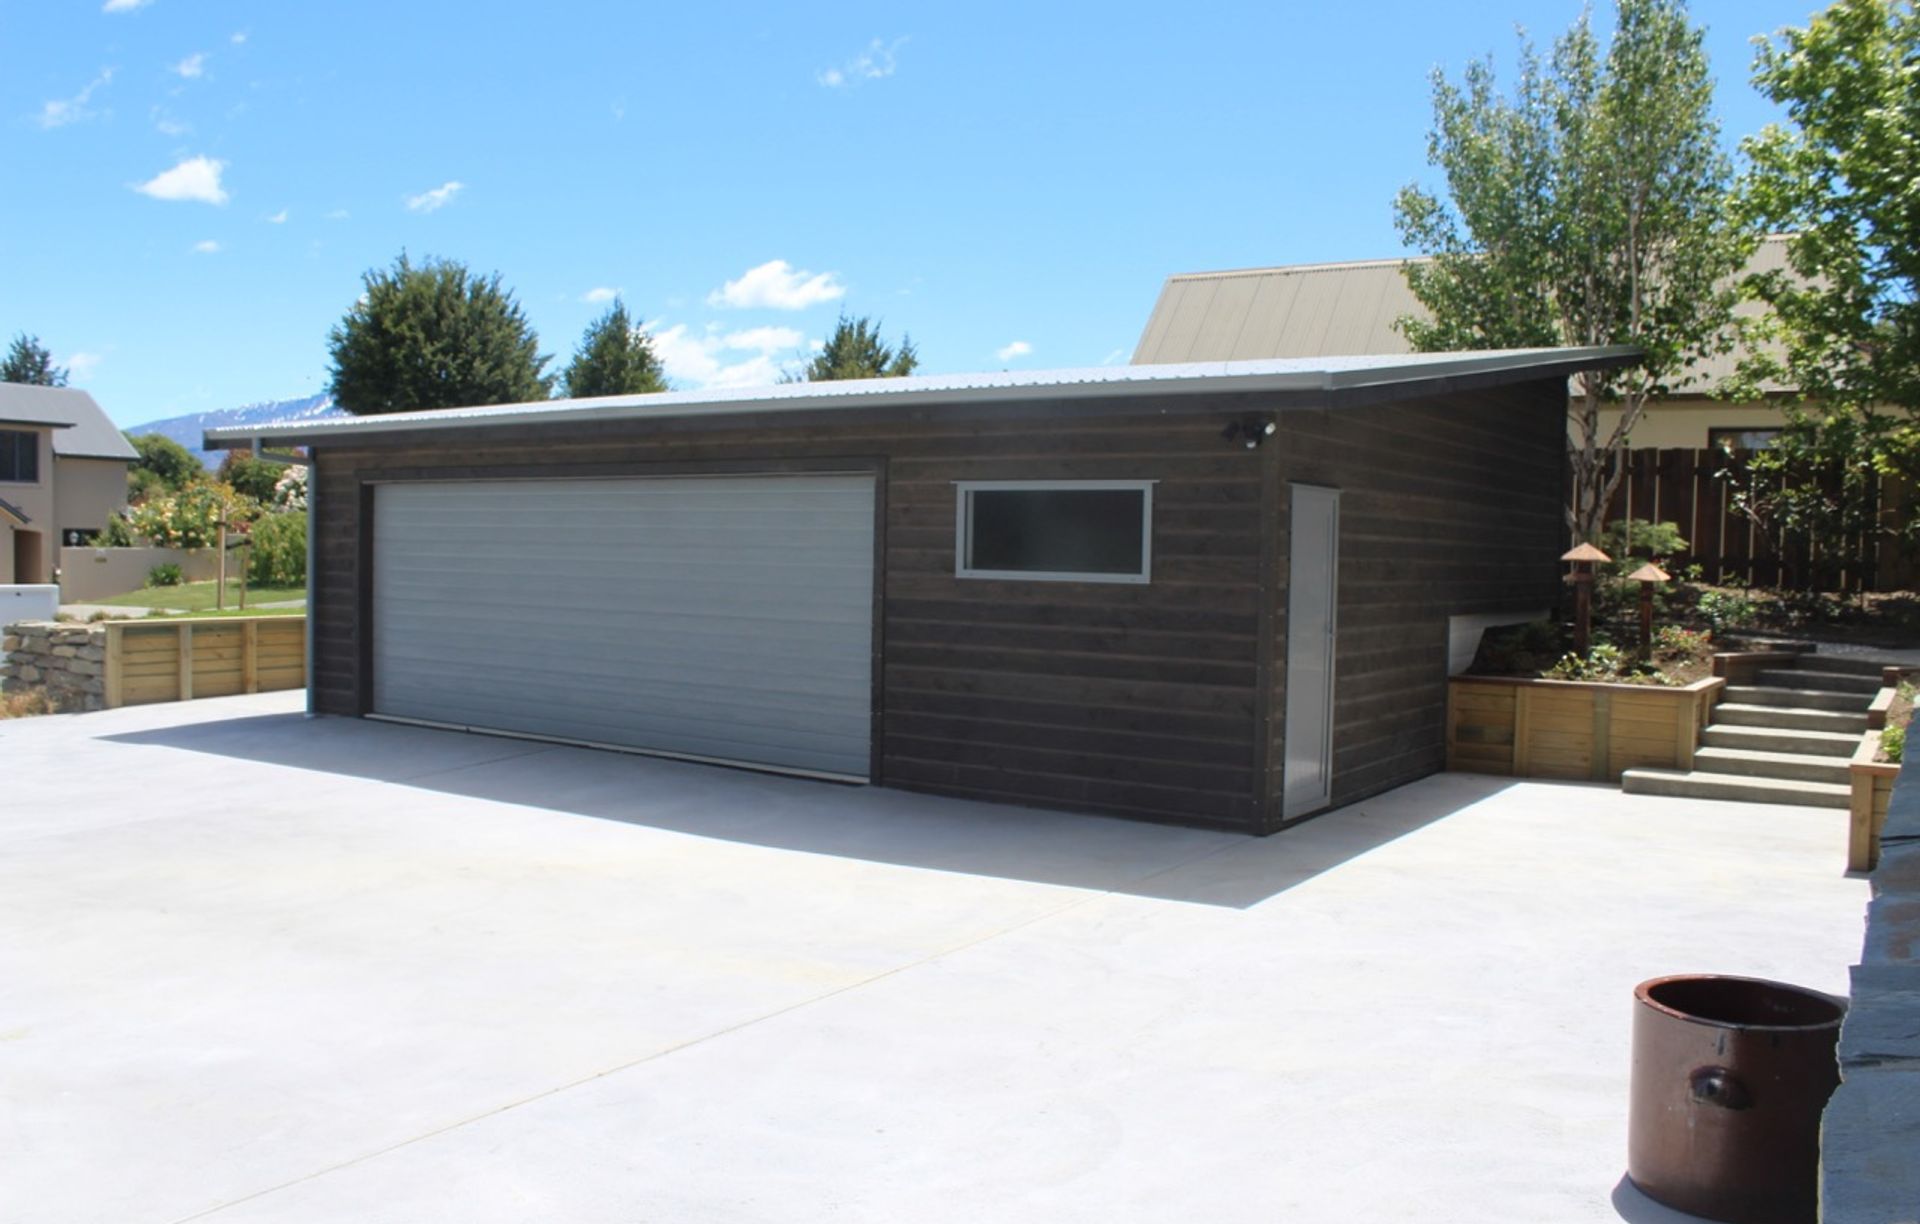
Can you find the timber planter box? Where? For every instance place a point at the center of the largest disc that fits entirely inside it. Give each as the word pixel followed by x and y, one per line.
pixel 177 660
pixel 1575 729
pixel 1867 808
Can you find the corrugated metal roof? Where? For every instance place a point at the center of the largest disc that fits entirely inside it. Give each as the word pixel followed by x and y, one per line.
pixel 1321 310
pixel 81 429
pixel 1323 374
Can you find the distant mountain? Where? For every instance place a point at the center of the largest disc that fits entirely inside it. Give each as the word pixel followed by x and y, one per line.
pixel 189 430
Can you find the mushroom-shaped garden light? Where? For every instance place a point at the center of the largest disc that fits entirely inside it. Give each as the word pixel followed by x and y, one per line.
pixel 1646 576
pixel 1582 557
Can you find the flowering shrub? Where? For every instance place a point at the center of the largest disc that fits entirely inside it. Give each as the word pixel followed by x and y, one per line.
pixel 290 491
pixel 191 518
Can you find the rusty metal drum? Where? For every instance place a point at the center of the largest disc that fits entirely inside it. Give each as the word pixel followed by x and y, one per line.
pixel 1730 1075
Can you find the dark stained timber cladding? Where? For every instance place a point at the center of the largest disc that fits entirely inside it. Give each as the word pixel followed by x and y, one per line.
pixel 1137 700
pixel 1448 505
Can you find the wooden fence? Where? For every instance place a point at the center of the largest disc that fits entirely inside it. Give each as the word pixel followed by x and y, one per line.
pixel 177 660
pixel 1694 488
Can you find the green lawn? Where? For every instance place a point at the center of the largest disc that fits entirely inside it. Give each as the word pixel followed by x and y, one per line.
pixel 198 597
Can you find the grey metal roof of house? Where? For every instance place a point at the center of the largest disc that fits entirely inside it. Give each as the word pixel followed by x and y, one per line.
pixel 1320 310
pixel 1309 375
pixel 81 429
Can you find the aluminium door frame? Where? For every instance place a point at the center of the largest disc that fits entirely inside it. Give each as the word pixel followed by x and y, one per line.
pixel 1325 799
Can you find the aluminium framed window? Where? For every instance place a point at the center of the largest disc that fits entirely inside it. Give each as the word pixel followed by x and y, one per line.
pixel 19 456
pixel 1054 530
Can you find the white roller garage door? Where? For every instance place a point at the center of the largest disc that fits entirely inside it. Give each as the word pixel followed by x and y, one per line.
pixel 723 618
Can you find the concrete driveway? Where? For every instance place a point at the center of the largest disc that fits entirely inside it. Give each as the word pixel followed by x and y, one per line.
pixel 259 968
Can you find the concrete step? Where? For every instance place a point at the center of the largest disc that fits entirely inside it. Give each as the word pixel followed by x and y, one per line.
pixel 1852 664
pixel 1733 789
pixel 1802 766
pixel 1825 681
pixel 1781 739
pixel 1732 713
pixel 1797 698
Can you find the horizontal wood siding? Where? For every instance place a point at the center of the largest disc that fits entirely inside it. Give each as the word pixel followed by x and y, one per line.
pixel 1137 700
pixel 1449 505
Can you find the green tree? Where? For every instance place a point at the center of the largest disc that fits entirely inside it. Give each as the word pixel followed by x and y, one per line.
pixel 855 350
pixel 164 465
pixel 434 336
pixel 1591 207
pixel 277 550
pixel 29 361
pixel 1845 317
pixel 615 357
pixel 250 476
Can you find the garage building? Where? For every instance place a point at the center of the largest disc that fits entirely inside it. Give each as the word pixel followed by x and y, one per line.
pixel 1217 594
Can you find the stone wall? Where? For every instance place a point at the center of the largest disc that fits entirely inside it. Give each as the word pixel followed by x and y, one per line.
pixel 68 661
pixel 1870 1136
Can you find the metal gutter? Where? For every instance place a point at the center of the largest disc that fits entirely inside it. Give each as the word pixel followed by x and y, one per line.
pixel 1329 377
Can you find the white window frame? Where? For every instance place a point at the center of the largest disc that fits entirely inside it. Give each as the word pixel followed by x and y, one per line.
pixel 963 529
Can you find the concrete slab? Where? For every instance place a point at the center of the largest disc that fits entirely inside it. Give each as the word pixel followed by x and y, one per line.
pixel 263 968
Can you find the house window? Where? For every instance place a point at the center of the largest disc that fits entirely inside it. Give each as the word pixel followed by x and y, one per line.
pixel 19 456
pixel 1055 531
pixel 1741 439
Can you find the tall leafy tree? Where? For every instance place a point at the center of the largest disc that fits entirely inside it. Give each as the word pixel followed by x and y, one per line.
pixel 855 350
pixel 434 335
pixel 29 361
pixel 164 465
pixel 615 357
pixel 1592 206
pixel 1839 175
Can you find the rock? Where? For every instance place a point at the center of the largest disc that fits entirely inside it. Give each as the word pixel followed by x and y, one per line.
pixel 66 652
pixel 84 667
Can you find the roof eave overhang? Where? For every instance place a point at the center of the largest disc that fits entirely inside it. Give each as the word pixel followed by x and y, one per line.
pixel 1144 397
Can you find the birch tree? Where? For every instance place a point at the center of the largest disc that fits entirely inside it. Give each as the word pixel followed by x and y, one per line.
pixel 1591 206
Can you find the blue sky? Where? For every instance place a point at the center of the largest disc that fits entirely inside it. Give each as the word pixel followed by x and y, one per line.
pixel 194 187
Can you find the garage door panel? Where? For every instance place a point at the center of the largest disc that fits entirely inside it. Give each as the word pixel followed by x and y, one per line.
pixel 720 617
pixel 809 681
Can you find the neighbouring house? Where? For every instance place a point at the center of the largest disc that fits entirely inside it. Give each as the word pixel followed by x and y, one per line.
pixel 63 474
pixel 1323 310
pixel 1220 594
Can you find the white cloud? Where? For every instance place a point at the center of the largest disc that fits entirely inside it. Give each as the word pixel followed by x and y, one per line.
pixel 196 178
pixel 599 294
pixel 438 198
pixel 696 360
pixel 192 66
pixel 763 339
pixel 777 285
pixel 876 63
pixel 82 365
pixel 238 37
pixel 1018 348
pixel 61 111
pixel 338 214
pixel 124 6
pixel 206 246
pixel 167 125
pixel 279 218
